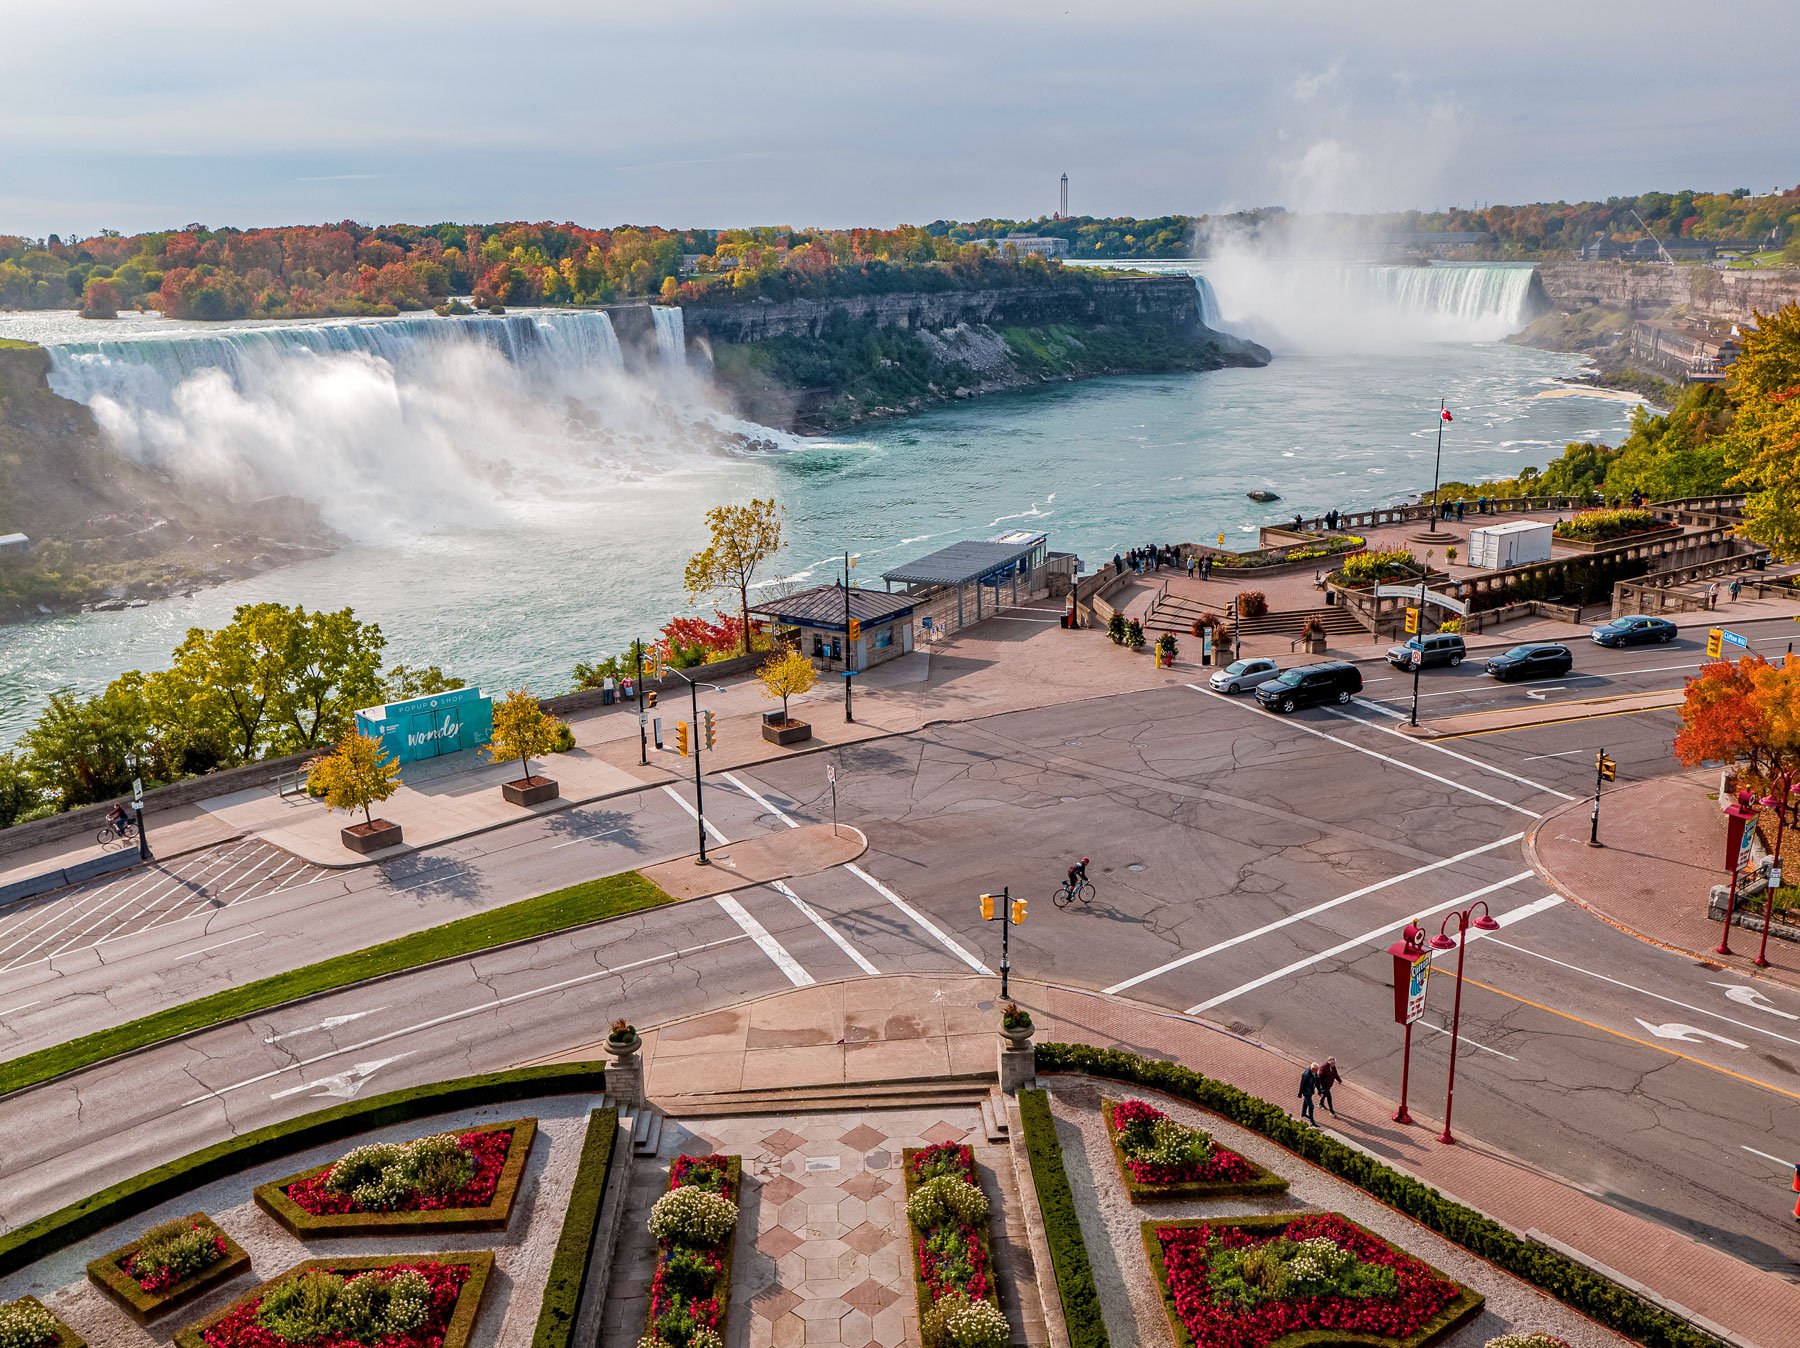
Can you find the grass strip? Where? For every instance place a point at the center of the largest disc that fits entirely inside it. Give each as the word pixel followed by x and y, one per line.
pixel 1570 1282
pixel 1062 1225
pixel 559 910
pixel 575 1247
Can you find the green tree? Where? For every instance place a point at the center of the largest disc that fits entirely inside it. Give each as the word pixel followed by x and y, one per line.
pixel 356 774
pixel 1762 449
pixel 241 668
pixel 743 537
pixel 79 752
pixel 18 797
pixel 332 668
pixel 401 684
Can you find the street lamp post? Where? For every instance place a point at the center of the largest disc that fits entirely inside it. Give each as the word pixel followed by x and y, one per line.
pixel 137 804
pixel 1740 819
pixel 642 710
pixel 694 738
pixel 1780 804
pixel 1437 471
pixel 1459 943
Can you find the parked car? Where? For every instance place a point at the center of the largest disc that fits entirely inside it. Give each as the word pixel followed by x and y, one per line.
pixel 1637 630
pixel 1535 661
pixel 1309 685
pixel 1240 676
pixel 1441 648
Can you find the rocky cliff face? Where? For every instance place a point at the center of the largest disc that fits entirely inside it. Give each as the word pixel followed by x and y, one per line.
pixel 1656 290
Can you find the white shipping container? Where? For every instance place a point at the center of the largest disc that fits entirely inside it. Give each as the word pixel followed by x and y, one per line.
pixel 1515 543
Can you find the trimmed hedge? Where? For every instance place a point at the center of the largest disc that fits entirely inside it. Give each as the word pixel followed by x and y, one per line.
pixel 1570 1282
pixel 96 1212
pixel 1062 1227
pixel 575 1246
pixel 109 1276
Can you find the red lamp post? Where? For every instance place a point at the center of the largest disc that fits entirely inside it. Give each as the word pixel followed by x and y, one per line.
pixel 1779 803
pixel 1740 820
pixel 1459 943
pixel 1412 964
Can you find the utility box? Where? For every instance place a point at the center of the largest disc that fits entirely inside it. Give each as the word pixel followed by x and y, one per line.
pixel 1515 543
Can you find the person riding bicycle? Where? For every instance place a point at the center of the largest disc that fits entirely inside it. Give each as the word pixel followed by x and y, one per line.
pixel 1078 875
pixel 119 820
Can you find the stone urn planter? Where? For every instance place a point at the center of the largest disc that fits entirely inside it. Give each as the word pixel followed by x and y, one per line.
pixel 786 732
pixel 1015 1026
pixel 533 790
pixel 623 1048
pixel 371 837
pixel 1313 645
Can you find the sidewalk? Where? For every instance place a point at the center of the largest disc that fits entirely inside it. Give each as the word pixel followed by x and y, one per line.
pixel 1664 851
pixel 902 1026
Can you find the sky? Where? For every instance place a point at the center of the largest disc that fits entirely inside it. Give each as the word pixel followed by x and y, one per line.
pixel 133 116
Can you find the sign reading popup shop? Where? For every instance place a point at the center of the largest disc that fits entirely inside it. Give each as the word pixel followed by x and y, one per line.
pixel 425 727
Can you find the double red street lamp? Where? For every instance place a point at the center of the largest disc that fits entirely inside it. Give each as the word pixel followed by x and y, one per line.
pixel 1459 943
pixel 1779 803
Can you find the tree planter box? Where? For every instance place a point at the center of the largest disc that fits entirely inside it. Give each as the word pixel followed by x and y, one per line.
pixel 1261 1183
pixel 493 1215
pixel 65 1337
pixel 457 1331
pixel 366 838
pixel 1621 541
pixel 534 790
pixel 793 732
pixel 107 1274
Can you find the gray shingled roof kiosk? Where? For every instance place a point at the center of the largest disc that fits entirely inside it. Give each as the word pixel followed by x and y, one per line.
pixel 989 564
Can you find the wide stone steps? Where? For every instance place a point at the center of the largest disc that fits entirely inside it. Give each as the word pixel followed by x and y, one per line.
pixel 1176 614
pixel 966 1090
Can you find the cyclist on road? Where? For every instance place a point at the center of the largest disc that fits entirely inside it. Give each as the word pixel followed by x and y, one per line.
pixel 1077 874
pixel 119 820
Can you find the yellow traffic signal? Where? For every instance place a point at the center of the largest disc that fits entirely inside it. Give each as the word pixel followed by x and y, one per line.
pixel 1715 643
pixel 855 629
pixel 1609 769
pixel 1412 621
pixel 683 740
pixel 987 907
pixel 1018 911
pixel 708 725
pixel 650 697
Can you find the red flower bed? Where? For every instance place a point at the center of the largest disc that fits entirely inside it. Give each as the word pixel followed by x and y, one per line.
pixel 1423 1292
pixel 487 1146
pixel 1222 1166
pixel 707 1311
pixel 241 1330
pixel 979 1284
pixel 164 1278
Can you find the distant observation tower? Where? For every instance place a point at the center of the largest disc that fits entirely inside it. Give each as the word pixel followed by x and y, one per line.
pixel 1062 212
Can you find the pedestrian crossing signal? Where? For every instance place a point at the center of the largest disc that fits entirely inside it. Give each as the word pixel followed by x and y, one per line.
pixel 1412 621
pixel 987 907
pixel 1715 643
pixel 856 629
pixel 1018 912
pixel 708 725
pixel 683 739
pixel 1609 770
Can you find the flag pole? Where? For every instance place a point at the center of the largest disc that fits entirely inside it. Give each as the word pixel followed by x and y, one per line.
pixel 1437 469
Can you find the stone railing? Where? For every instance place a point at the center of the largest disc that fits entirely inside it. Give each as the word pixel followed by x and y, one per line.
pixel 1658 592
pixel 1695 510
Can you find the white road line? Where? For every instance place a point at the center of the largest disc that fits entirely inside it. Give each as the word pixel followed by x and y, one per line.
pixel 1316 909
pixel 78 900
pixel 774 949
pixel 1632 987
pixel 220 881
pixel 586 837
pixel 1461 758
pixel 830 931
pixel 1380 707
pixel 44 938
pixel 274 864
pixel 1765 1155
pixel 1395 762
pixel 1470 1042
pixel 760 799
pixel 1367 938
pixel 20 1007
pixel 463 1014
pixel 220 946
pixel 1564 754
pixel 943 938
pixel 675 796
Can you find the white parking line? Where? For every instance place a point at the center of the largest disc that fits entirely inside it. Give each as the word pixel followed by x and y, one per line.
pixel 943 938
pixel 1342 947
pixel 692 813
pixel 463 1014
pixel 835 936
pixel 760 799
pixel 22 1006
pixel 774 949
pixel 1462 758
pixel 1317 908
pixel 220 946
pixel 586 837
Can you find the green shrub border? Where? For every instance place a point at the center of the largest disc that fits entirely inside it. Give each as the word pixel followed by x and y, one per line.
pixel 1062 1225
pixel 457 1332
pixel 109 1206
pixel 492 1215
pixel 1467 1305
pixel 1264 1184
pixel 65 1337
pixel 575 1246
pixel 734 1167
pixel 1570 1282
pixel 143 1306
pixel 922 1293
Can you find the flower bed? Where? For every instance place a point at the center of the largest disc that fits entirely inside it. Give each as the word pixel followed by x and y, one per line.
pixel 409 1301
pixel 1160 1158
pixel 28 1323
pixel 953 1259
pixel 693 1224
pixel 1373 568
pixel 168 1265
pixel 443 1182
pixel 1262 1282
pixel 1602 526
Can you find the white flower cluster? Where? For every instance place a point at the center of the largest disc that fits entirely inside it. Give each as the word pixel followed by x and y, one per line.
pixel 383 1175
pixel 691 1215
pixel 1318 1260
pixel 944 1199
pixel 702 1337
pixel 956 1321
pixel 26 1324
pixel 1527 1341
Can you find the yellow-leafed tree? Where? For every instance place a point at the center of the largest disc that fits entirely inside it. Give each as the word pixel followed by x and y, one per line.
pixel 786 674
pixel 742 538
pixel 522 730
pixel 356 774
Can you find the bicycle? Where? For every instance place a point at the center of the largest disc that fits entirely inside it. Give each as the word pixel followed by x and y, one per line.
pixel 1083 890
pixel 111 840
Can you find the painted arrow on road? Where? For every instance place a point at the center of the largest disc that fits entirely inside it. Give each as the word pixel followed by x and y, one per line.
pixel 1540 695
pixel 345 1085
pixel 1754 998
pixel 1687 1033
pixel 329 1023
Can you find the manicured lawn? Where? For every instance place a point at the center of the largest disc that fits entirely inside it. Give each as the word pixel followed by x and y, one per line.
pixel 558 910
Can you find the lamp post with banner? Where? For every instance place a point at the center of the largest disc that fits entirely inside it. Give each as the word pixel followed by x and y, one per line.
pixel 1412 970
pixel 1778 800
pixel 1740 830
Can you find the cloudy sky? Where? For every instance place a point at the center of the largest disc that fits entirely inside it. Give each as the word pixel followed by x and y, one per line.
pixel 129 115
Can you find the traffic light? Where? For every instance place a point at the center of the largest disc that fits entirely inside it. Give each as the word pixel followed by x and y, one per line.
pixel 683 739
pixel 1018 911
pixel 1609 769
pixel 855 629
pixel 1715 642
pixel 987 907
pixel 707 725
pixel 1412 621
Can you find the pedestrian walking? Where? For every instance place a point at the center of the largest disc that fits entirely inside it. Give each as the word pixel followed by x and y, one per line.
pixel 1329 1076
pixel 1712 595
pixel 1737 588
pixel 1309 1084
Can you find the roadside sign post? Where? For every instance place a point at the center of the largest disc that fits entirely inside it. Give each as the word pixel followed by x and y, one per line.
pixel 643 714
pixel 1412 969
pixel 137 809
pixel 831 777
pixel 1605 770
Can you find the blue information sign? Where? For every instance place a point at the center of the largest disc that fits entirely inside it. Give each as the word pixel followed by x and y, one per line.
pixel 424 727
pixel 1733 639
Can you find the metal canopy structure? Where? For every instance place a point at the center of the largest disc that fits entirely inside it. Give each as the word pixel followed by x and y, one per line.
pixel 823 606
pixel 970 562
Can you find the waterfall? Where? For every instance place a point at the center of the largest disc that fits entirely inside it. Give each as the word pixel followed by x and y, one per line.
pixel 1209 304
pixel 671 334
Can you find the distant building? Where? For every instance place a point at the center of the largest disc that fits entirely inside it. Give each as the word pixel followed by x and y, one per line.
pixel 1431 243
pixel 1041 244
pixel 14 545
pixel 818 621
pixel 1605 248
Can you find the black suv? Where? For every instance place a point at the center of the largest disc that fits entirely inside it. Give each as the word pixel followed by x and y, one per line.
pixel 1533 661
pixel 1309 685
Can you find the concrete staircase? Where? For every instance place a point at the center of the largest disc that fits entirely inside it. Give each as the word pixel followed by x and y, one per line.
pixel 905 1093
pixel 1176 614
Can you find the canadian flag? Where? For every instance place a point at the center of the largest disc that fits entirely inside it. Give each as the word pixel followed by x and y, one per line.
pixel 1444 412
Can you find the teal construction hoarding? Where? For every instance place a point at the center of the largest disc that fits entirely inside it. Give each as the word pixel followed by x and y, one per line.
pixel 425 727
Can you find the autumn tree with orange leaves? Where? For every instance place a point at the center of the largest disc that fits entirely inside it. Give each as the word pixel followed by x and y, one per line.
pixel 1746 713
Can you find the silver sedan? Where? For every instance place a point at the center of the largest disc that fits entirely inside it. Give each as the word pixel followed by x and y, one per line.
pixel 1240 676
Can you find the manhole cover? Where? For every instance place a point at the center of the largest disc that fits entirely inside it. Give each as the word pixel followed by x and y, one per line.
pixel 815 1164
pixel 1135 866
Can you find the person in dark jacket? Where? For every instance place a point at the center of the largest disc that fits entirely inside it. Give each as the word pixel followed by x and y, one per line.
pixel 1309 1084
pixel 1329 1076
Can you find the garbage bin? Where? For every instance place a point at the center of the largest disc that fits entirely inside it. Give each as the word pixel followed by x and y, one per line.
pixel 1064 621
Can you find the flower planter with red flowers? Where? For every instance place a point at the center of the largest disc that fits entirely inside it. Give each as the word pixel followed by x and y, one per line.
pixel 1203 1269
pixel 1220 1173
pixel 692 1282
pixel 309 1207
pixel 969 1268
pixel 20 1319
pixel 146 1292
pixel 456 1283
